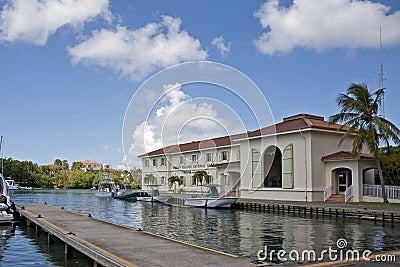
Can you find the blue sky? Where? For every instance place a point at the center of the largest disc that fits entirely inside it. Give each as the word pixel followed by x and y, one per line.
pixel 70 68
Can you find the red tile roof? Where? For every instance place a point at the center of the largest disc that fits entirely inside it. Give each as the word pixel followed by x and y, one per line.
pixel 299 121
pixel 225 164
pixel 196 145
pixel 341 155
pixel 90 162
pixel 296 122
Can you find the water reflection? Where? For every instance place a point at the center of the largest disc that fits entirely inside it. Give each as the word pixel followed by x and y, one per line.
pixel 234 231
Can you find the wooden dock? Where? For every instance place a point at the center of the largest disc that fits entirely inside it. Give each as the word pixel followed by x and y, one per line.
pixel 112 244
pixel 372 213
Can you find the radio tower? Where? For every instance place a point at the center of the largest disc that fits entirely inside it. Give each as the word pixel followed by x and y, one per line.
pixel 381 77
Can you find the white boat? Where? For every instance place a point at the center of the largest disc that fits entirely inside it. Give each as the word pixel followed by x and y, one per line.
pixel 107 186
pixel 153 196
pixel 211 199
pixel 6 206
pixel 11 184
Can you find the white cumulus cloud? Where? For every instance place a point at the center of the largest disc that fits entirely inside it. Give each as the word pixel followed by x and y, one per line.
pixel 325 24
pixel 177 119
pixel 33 21
pixel 135 53
pixel 222 45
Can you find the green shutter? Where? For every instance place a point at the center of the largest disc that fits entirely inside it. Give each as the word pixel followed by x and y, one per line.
pixel 287 167
pixel 256 168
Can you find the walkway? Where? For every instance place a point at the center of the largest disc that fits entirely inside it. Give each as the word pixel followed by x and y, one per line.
pixel 111 244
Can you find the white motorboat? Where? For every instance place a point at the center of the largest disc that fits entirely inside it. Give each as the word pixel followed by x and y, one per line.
pixel 153 196
pixel 107 186
pixel 6 206
pixel 211 199
pixel 11 184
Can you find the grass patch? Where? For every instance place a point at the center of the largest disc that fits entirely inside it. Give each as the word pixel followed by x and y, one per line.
pixel 375 204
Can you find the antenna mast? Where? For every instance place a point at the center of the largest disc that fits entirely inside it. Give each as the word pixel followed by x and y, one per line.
pixel 381 77
pixel 2 166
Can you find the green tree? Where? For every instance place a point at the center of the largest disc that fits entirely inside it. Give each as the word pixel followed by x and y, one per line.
pixel 149 179
pixel 391 165
pixel 173 180
pixel 359 111
pixel 76 166
pixel 201 177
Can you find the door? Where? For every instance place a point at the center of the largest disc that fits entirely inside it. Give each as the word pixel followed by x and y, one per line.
pixel 342 182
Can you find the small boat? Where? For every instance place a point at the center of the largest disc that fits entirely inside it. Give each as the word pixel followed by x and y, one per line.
pixel 211 199
pixel 154 196
pixel 11 184
pixel 107 186
pixel 7 208
pixel 127 193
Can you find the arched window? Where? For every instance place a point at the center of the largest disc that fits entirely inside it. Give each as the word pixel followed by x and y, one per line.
pixel 287 167
pixel 272 167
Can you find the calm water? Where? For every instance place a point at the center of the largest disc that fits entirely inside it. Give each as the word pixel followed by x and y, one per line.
pixel 234 231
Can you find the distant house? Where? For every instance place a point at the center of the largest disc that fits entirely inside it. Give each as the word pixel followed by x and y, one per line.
pixel 91 165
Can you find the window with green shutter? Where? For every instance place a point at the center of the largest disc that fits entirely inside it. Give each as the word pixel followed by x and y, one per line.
pixel 255 168
pixel 287 167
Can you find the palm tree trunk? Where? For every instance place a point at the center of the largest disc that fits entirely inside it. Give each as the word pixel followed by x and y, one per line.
pixel 378 164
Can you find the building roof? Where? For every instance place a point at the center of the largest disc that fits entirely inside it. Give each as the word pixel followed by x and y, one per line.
pixel 292 123
pixel 196 145
pixel 297 122
pixel 90 162
pixel 343 155
pixel 224 164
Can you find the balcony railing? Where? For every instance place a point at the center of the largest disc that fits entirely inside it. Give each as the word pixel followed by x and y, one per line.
pixel 392 192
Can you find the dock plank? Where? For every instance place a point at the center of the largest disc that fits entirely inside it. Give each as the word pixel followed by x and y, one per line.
pixel 111 244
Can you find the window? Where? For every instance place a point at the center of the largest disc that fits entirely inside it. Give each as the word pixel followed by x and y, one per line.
pixel 162 180
pixel 226 179
pixel 181 160
pixel 209 157
pixel 146 163
pixel 154 162
pixel 238 154
pixel 210 179
pixel 182 180
pixel 162 162
pixel 255 168
pixel 194 157
pixel 287 167
pixel 224 155
pixel 194 181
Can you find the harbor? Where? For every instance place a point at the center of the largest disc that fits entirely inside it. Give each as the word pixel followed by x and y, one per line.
pixel 238 232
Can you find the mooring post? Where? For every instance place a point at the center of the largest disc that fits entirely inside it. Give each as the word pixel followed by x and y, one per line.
pixel 50 238
pixel 67 252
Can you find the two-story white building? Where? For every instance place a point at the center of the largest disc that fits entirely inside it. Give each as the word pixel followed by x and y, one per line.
pixel 298 159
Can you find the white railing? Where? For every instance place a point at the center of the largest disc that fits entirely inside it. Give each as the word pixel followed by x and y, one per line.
pixel 348 193
pixel 371 190
pixel 327 192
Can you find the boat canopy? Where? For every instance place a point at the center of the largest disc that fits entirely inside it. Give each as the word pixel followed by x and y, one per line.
pixel 212 190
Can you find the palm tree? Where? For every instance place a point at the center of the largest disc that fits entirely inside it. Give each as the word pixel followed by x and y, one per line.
pixel 359 111
pixel 173 180
pixel 201 176
pixel 149 179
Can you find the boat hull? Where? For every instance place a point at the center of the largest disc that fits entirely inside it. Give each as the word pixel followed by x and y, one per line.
pixel 5 218
pixel 127 196
pixel 103 194
pixel 224 202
